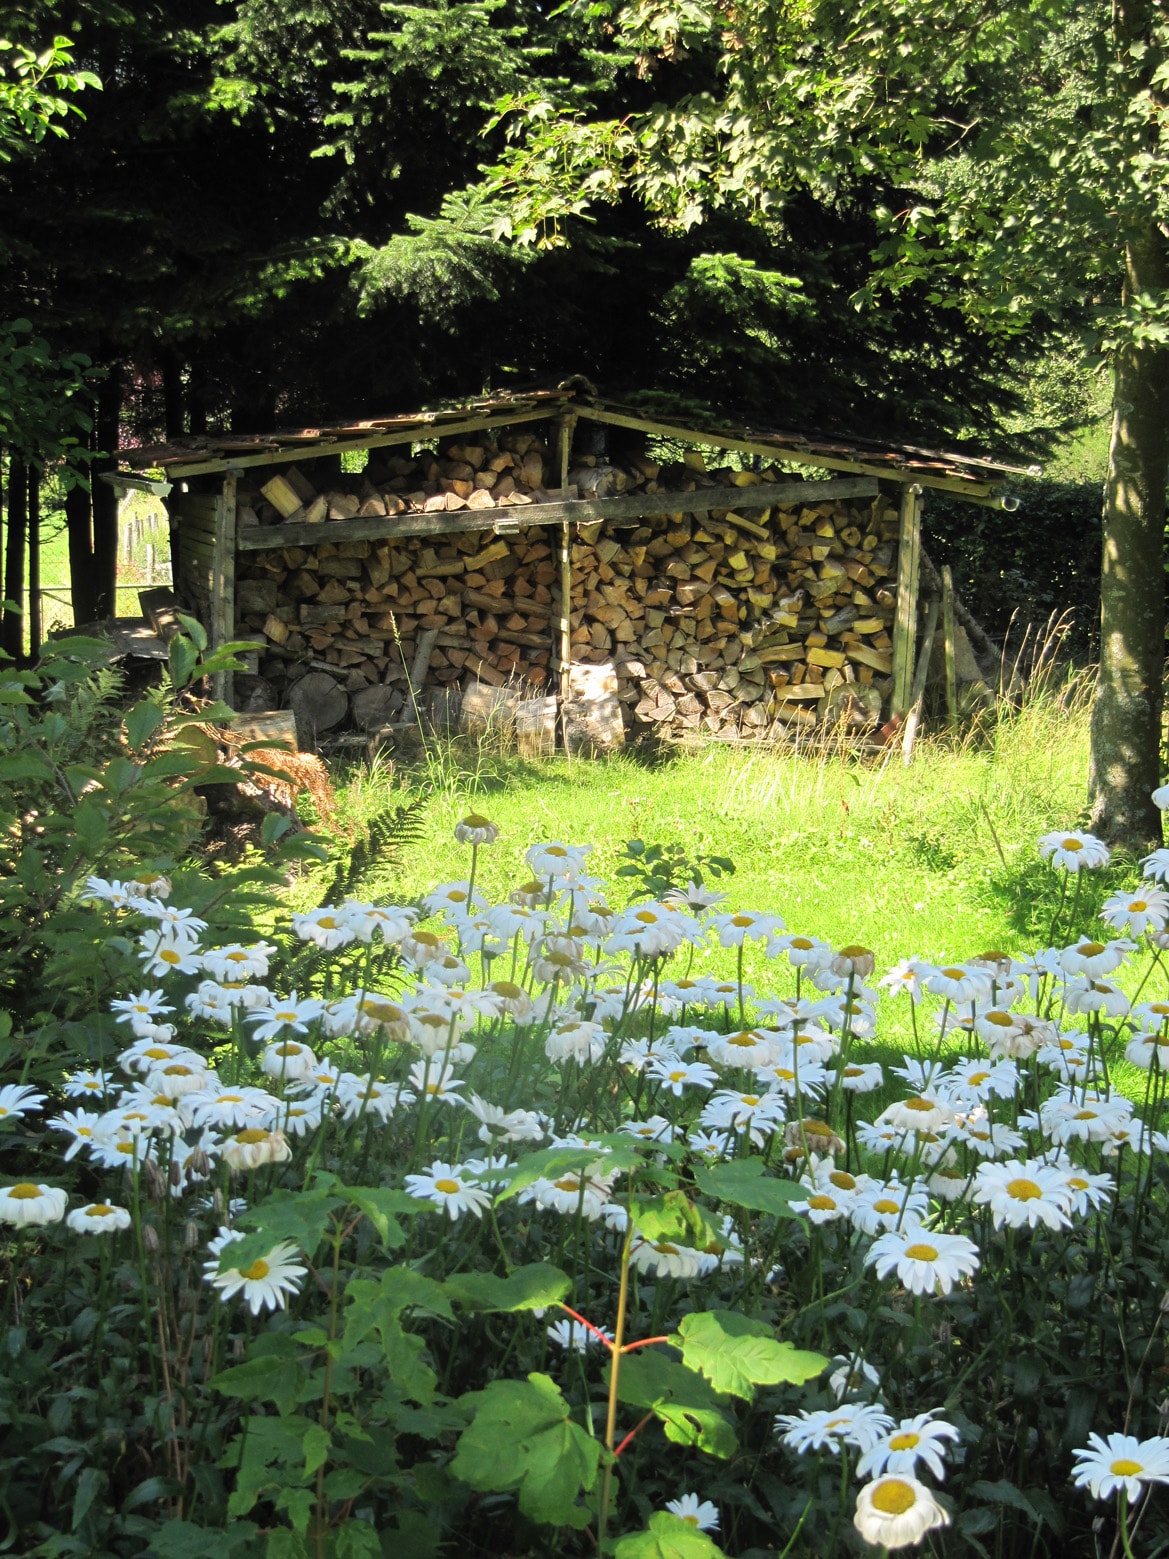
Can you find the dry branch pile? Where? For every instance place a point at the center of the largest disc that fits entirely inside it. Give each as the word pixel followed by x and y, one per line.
pixel 724 622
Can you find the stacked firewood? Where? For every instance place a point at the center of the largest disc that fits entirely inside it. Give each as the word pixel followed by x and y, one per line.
pixel 725 622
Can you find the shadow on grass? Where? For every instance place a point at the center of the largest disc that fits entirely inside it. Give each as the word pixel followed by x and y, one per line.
pixel 1036 900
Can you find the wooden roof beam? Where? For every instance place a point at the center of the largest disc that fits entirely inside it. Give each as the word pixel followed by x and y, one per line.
pixel 713 440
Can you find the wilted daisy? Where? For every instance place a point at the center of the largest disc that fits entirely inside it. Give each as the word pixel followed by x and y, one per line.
pixel 926 1261
pixel 98 1218
pixel 860 1424
pixel 913 1440
pixel 1074 851
pixel 253 1146
pixel 1121 1462
pixel 265 1283
pixel 897 1512
pixel 448 1188
pixel 1085 995
pixel 475 829
pixel 702 1514
pixel 27 1203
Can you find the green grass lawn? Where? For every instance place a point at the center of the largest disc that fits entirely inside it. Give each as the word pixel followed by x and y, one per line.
pixel 937 858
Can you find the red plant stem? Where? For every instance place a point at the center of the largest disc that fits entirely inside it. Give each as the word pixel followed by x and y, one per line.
pixel 646 1342
pixel 632 1433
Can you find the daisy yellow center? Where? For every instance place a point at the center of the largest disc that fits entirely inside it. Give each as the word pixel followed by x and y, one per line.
pixel 1073 844
pixel 976 1079
pixel 178 1070
pixel 569 1183
pixel 647 917
pixel 256 1273
pixel 1090 949
pixel 230 1098
pixel 156 1053
pixel 251 1134
pixel 750 1098
pixel 690 1520
pixel 954 974
pixel 784 1075
pixel 1160 1008
pixel 904 1442
pixel 1084 1115
pixel 457 896
pixel 329 922
pixel 748 1041
pixel 1123 1468
pixel 507 989
pixel 286 1016
pixel 1138 906
pixel 894 1497
pixel 427 938
pixel 886 1206
pixel 557 850
pixel 237 958
pixel 1077 1184
pixel 447 1187
pixel 1024 1190
pixel 664 1248
pixel 921 1253
pixel 169 956
pixel 802 944
pixel 842 1180
pixel 475 820
pixel 854 1071
pixel 25 1191
pixel 677 1077
pixel 742 920
pixel 821 1204
pixel 1002 1020
pixel 816 1128
pixel 854 951
pixel 99 1210
pixel 923 1105
pixel 287 1050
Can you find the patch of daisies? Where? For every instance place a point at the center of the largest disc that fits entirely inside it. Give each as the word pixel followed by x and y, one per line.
pixel 1007 1115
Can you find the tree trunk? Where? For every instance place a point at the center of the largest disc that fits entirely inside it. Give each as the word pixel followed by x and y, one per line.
pixel 12 628
pixel 81 579
pixel 35 625
pixel 104 498
pixel 1126 706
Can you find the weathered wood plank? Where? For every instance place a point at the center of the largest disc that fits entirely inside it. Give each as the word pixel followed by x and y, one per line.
pixel 949 646
pixel 222 625
pixel 908 574
pixel 261 538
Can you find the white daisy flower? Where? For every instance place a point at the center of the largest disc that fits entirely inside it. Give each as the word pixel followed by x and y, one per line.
pixel 905 978
pixel 81 1127
pixel 926 1261
pixel 146 1005
pixel 1121 1462
pixel 475 829
pixel 87 1085
pixel 702 1514
pixel 803 952
pixel 862 1078
pixel 117 894
pixel 254 1146
pixel 662 1258
pixel 236 1107
pixel 884 1205
pixel 748 1048
pixel 391 921
pixel 1075 851
pixel 674 1074
pixel 285 1013
pixel 897 1512
pixel 161 956
pixel 1085 995
pixel 851 1375
pixel 913 1440
pixel 1136 912
pixel 572 1336
pixel 449 1189
pixel 960 984
pixel 735 929
pixel 1095 959
pixel 98 1218
pixel 557 861
pixel 577 1041
pixel 1156 866
pixel 265 1284
pixel 27 1203
pixel 287 1060
pixel 859 1424
pixel 238 962
pixel 325 928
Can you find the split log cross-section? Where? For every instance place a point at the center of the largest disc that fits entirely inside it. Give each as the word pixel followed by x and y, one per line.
pixel 502 545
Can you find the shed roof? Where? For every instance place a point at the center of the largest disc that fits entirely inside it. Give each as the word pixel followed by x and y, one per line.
pixel 967 475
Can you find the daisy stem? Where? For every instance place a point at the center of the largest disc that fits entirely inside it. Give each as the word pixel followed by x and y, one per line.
pixel 143 1283
pixel 1063 889
pixel 471 882
pixel 1122 1504
pixel 614 1371
pixel 321 1525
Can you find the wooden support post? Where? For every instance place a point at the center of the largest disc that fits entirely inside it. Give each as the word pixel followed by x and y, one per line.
pixel 563 653
pixel 908 575
pixel 426 642
pixel 917 692
pixel 222 625
pixel 949 644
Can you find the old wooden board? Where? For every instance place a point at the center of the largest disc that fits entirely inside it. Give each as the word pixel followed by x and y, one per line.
pixel 908 575
pixel 634 506
pixel 223 584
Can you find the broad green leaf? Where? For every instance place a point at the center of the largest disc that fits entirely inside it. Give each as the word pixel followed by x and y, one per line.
pixel 379 1204
pixel 90 1482
pixel 546 1165
pixel 186 1540
pixel 535 1287
pixel 265 1379
pixel 674 1217
pixel 522 1438
pixel 377 1307
pixel 690 1410
pixel 668 1537
pixel 400 1288
pixel 194 629
pixel 737 1353
pixel 25 766
pixel 184 657
pixel 317 1444
pixel 744 1182
pixel 299 1216
pixel 142 721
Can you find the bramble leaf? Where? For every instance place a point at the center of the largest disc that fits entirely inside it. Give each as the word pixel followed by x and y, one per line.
pixel 743 1182
pixel 535 1287
pixel 736 1353
pixel 668 1537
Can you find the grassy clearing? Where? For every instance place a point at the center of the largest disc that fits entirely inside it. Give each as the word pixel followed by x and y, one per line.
pixel 937 858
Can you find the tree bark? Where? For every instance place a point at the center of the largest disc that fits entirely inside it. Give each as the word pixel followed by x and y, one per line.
pixel 35 615
pixel 12 628
pixel 104 498
pixel 81 579
pixel 1126 707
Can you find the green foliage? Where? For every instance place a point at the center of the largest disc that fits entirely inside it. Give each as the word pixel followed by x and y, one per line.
pixel 736 1353
pixel 659 868
pixel 552 1461
pixel 35 92
pixel 668 1537
pixel 744 1182
pixel 44 401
